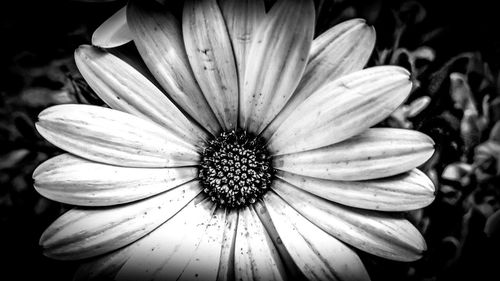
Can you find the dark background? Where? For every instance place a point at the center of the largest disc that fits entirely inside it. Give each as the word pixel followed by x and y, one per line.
pixel 37 70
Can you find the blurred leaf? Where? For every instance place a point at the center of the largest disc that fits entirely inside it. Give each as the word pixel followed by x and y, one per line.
pixel 492 227
pixel 12 158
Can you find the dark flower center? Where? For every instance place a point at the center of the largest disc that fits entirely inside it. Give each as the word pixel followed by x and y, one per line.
pixel 235 169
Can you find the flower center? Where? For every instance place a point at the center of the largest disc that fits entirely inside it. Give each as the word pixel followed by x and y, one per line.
pixel 235 169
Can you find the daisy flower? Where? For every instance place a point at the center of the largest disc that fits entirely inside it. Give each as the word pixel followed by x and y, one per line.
pixel 239 147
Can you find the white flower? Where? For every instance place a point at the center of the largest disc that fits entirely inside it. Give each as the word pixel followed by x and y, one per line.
pixel 179 186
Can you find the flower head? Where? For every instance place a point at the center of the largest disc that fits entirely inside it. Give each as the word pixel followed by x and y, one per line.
pixel 244 151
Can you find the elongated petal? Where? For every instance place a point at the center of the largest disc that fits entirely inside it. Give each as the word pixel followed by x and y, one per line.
pixel 73 180
pixel 226 265
pixel 382 234
pixel 242 19
pixel 256 257
pixel 158 37
pixel 83 233
pixel 211 56
pixel 113 32
pixel 376 153
pixel 124 88
pixel 113 137
pixel 408 191
pixel 342 49
pixel 205 261
pixel 319 255
pixel 342 109
pixel 165 252
pixel 279 56
pixel 104 267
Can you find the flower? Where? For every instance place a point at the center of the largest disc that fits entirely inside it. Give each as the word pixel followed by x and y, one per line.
pixel 259 163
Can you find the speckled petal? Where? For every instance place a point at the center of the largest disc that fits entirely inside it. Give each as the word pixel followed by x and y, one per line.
pixel 341 50
pixel 124 88
pixel 158 37
pixel 342 109
pixel 171 248
pixel 242 19
pixel 404 192
pixel 113 32
pixel 376 153
pixel 318 255
pixel 114 137
pixel 386 235
pixel 77 181
pixel 255 256
pixel 211 57
pixel 84 233
pixel 279 54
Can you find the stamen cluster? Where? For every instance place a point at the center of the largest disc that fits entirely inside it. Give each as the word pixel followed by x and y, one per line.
pixel 235 169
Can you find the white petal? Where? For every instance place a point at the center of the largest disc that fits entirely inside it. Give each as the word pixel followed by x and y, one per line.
pixel 209 51
pixel 226 266
pixel 83 233
pixel 242 19
pixel 383 234
pixel 113 32
pixel 342 109
pixel 255 256
pixel 113 137
pixel 124 88
pixel 73 180
pixel 342 49
pixel 104 267
pixel 279 54
pixel 408 191
pixel 376 153
pixel 164 253
pixel 319 255
pixel 158 37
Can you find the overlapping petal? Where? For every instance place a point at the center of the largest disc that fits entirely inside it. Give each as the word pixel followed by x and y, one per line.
pixel 83 233
pixel 113 32
pixel 407 191
pixel 226 265
pixel 211 57
pixel 158 37
pixel 279 54
pixel 124 88
pixel 255 256
pixel 77 181
pixel 172 249
pixel 383 234
pixel 113 137
pixel 343 49
pixel 376 153
pixel 342 109
pixel 242 19
pixel 318 255
pixel 104 267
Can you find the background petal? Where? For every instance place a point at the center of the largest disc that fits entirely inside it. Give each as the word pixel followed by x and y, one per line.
pixel 113 32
